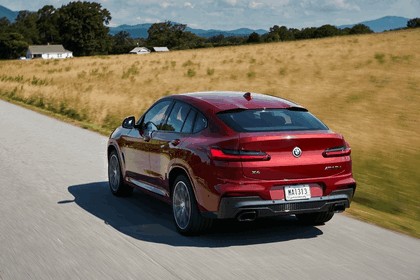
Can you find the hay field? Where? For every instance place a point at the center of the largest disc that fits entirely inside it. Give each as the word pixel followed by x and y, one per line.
pixel 366 87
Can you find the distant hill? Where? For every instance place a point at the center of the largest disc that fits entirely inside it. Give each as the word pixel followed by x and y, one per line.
pixel 135 31
pixel 140 31
pixel 9 14
pixel 236 32
pixel 377 25
pixel 382 24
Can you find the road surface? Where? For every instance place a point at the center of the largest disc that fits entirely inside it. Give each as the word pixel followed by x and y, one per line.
pixel 58 220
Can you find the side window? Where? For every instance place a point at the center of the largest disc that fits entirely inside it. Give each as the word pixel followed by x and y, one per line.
pixel 189 122
pixel 200 123
pixel 177 117
pixel 156 114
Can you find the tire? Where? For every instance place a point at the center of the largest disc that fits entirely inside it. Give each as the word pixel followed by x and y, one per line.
pixel 187 217
pixel 115 178
pixel 315 219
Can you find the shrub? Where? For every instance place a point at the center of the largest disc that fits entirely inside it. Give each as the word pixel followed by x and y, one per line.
pixel 191 73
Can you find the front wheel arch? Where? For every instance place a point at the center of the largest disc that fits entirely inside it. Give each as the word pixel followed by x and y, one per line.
pixel 115 176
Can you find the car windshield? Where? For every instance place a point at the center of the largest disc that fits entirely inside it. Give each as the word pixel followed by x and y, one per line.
pixel 260 120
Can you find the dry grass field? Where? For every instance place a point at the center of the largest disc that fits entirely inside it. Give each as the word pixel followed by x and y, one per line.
pixel 366 87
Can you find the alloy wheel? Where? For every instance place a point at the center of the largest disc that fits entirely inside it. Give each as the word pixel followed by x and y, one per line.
pixel 181 205
pixel 114 173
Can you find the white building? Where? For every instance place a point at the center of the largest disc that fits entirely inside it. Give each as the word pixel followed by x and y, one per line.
pixel 48 52
pixel 160 49
pixel 140 50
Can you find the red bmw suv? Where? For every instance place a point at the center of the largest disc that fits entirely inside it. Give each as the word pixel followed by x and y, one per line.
pixel 221 155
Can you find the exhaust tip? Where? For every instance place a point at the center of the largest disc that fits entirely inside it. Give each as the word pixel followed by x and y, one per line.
pixel 247 216
pixel 339 208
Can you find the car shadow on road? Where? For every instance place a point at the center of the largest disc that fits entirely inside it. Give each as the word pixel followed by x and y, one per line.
pixel 149 219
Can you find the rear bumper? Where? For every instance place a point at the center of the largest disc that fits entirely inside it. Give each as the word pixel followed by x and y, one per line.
pixel 232 207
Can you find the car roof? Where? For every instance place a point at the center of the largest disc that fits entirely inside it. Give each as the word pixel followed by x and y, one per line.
pixel 218 101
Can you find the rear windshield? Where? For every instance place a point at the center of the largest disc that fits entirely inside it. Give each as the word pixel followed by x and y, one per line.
pixel 271 120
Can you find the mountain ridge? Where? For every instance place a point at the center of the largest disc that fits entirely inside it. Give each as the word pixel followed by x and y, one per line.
pixel 7 13
pixel 382 24
pixel 140 31
pixel 377 25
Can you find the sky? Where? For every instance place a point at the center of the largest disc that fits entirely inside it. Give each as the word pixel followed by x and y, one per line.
pixel 232 14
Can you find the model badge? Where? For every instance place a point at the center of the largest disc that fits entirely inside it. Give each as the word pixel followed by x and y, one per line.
pixel 297 152
pixel 333 167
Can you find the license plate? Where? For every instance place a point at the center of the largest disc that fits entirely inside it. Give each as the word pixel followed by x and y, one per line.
pixel 297 192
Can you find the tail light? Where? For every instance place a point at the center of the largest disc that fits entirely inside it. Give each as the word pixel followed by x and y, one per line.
pixel 237 155
pixel 337 151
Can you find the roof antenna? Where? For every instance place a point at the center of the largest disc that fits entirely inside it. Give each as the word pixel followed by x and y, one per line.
pixel 248 96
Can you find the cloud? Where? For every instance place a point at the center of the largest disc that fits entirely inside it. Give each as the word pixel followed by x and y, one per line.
pixel 165 5
pixel 327 5
pixel 231 2
pixel 255 5
pixel 341 5
pixel 189 5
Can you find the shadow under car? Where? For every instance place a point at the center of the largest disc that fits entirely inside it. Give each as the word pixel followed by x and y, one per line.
pixel 148 219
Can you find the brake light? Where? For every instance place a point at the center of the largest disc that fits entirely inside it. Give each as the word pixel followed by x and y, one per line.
pixel 237 155
pixel 337 151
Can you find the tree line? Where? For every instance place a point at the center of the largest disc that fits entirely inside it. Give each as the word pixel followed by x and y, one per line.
pixel 78 26
pixel 81 27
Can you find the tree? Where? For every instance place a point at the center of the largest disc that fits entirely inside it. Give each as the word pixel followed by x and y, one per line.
pixel 413 23
pixel 82 28
pixel 326 30
pixel 172 35
pixel 281 33
pixel 217 39
pixel 165 34
pixel 294 33
pixel 272 35
pixel 47 24
pixel 254 37
pixel 285 34
pixel 345 31
pixel 306 33
pixel 5 25
pixel 12 45
pixel 360 29
pixel 235 40
pixel 25 25
pixel 122 43
pixel 189 40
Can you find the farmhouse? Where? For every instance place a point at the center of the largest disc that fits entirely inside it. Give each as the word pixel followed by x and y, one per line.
pixel 48 52
pixel 140 50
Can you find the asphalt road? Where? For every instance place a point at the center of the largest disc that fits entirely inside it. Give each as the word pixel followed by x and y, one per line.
pixel 58 220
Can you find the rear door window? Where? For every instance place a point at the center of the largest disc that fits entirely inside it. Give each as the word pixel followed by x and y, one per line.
pixel 177 117
pixel 189 122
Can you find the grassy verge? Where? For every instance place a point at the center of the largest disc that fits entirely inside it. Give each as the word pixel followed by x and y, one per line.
pixel 65 118
pixel 365 87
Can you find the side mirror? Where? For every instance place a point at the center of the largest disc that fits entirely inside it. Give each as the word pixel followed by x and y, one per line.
pixel 129 122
